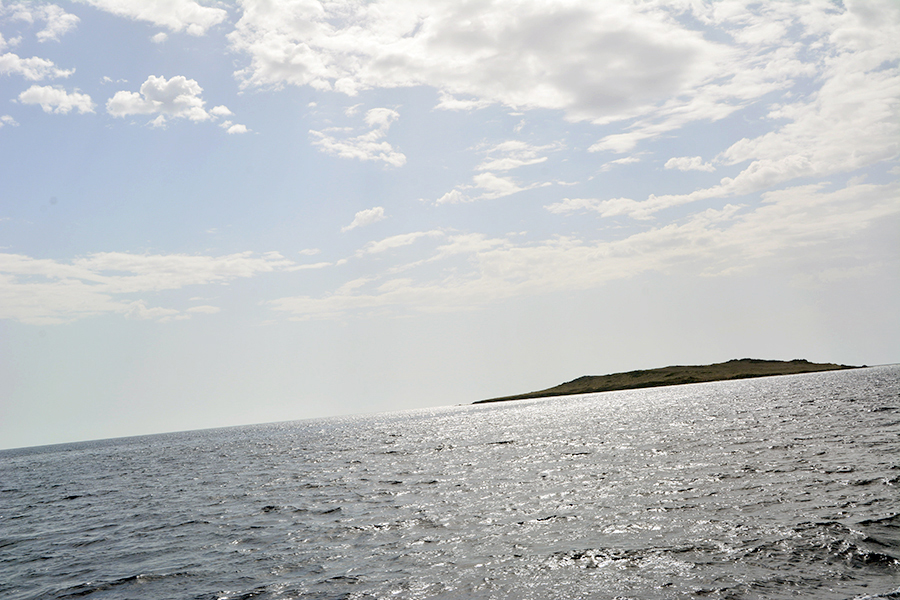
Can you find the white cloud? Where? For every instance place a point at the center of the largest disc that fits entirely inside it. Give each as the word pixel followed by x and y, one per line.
pixel 34 68
pixel 139 310
pixel 592 61
pixel 448 102
pixel 237 128
pixel 713 242
pixel 48 291
pixel 637 64
pixel 175 98
pixel 7 120
pixel 178 97
pixel 848 123
pixel 176 15
pixel 204 309
pixel 159 38
pixel 368 146
pixel 54 99
pixel 57 21
pixel 365 217
pixel 398 241
pixel 513 154
pixel 486 186
pixel 628 160
pixel 692 163
pixel 606 208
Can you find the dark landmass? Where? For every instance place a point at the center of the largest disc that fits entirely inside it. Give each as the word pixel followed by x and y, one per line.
pixel 677 375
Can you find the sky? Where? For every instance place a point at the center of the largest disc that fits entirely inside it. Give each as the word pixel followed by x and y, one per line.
pixel 223 213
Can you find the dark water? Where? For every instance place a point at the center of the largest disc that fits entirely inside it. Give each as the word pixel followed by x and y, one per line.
pixel 784 487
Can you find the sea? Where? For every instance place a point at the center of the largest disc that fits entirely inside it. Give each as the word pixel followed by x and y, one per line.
pixel 777 487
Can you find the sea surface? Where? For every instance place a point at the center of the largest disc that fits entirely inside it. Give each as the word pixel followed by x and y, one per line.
pixel 780 487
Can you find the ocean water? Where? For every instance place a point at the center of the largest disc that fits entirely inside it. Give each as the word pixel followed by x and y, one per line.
pixel 782 487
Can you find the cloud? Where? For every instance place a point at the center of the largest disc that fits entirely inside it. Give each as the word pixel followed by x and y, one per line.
pixel 365 217
pixel 178 97
pixel 33 69
pixel 693 163
pixel 57 21
pixel 204 309
pixel 397 241
pixel 175 98
pixel 606 208
pixel 176 15
pixel 233 128
pixel 591 61
pixel 513 154
pixel 628 160
pixel 848 123
pixel 790 226
pixel 54 99
pixel 486 186
pixel 139 310
pixel 159 38
pixel 45 291
pixel 7 120
pixel 366 146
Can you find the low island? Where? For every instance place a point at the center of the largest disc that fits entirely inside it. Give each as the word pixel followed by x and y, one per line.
pixel 677 375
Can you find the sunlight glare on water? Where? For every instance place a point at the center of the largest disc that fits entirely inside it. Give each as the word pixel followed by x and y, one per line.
pixel 762 488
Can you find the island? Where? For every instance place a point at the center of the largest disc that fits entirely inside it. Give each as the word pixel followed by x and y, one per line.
pixel 742 368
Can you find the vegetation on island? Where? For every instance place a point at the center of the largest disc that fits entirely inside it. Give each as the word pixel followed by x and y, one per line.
pixel 677 375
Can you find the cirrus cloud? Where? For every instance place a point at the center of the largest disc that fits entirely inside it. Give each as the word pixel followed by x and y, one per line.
pixel 46 291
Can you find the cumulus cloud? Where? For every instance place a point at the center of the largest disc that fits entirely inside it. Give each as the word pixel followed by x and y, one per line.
pixel 367 146
pixel 365 217
pixel 178 97
pixel 175 98
pixel 7 120
pixel 34 68
pixel 592 61
pixel 233 128
pixel 54 99
pixel 692 163
pixel 44 291
pixel 176 15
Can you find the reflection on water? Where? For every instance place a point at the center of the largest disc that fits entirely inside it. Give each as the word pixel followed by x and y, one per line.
pixel 763 488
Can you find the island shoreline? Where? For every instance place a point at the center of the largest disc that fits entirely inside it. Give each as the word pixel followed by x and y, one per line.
pixel 743 368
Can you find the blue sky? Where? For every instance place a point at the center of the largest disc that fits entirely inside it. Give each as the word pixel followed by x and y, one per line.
pixel 219 213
